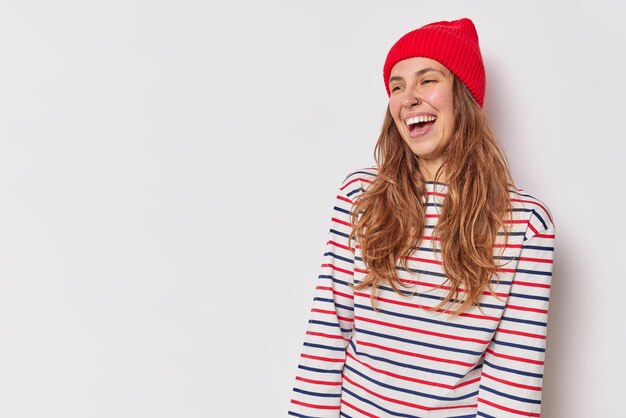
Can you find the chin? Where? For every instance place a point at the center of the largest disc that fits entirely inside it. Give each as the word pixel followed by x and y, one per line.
pixel 422 150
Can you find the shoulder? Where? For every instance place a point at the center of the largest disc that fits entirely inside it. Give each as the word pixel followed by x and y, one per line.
pixel 358 180
pixel 532 209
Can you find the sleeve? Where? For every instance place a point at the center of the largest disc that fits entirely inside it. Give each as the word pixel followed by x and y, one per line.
pixel 317 388
pixel 512 372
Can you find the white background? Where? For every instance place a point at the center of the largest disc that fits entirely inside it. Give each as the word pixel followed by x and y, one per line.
pixel 167 173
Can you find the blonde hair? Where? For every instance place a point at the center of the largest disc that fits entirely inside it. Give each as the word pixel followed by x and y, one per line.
pixel 474 210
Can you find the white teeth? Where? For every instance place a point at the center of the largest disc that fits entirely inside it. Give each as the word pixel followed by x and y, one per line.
pixel 418 119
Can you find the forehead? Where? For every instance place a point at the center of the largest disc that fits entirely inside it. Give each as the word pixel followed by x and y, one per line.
pixel 411 65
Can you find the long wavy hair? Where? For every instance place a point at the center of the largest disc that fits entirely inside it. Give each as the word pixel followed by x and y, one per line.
pixel 474 211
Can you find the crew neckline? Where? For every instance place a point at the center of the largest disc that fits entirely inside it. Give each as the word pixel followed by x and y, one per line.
pixel 432 183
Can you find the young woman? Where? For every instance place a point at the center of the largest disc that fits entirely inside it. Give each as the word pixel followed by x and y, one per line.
pixel 433 295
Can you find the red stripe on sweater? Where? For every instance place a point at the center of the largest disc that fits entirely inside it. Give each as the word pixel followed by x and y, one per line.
pixel 318 382
pixel 522 334
pixel 523 308
pixel 328 312
pixel 324 335
pixel 531 284
pixel 537 260
pixel 424 260
pixel 339 221
pixel 338 245
pixel 330 360
pixel 338 269
pixel 516 221
pixel 359 410
pixel 515 358
pixel 353 181
pixel 345 199
pixel 509 383
pixel 507 245
pixel 335 292
pixel 310 405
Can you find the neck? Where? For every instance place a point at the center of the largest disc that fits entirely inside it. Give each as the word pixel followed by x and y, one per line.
pixel 429 173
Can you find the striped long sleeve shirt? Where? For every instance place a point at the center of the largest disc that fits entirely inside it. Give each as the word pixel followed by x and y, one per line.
pixel 406 361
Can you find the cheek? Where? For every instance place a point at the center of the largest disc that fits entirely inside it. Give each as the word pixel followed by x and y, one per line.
pixel 439 98
pixel 394 107
pixel 442 101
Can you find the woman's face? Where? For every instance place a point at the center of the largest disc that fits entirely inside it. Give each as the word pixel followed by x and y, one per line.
pixel 422 108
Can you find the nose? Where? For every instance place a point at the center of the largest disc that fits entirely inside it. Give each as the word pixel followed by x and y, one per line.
pixel 411 98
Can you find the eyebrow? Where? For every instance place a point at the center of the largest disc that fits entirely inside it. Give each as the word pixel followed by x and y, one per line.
pixel 417 74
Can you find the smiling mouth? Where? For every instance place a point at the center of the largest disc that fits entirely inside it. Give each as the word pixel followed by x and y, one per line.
pixel 420 123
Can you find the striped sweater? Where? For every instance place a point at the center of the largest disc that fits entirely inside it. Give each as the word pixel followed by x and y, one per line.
pixel 405 361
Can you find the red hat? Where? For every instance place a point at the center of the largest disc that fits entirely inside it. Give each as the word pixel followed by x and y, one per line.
pixel 453 44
